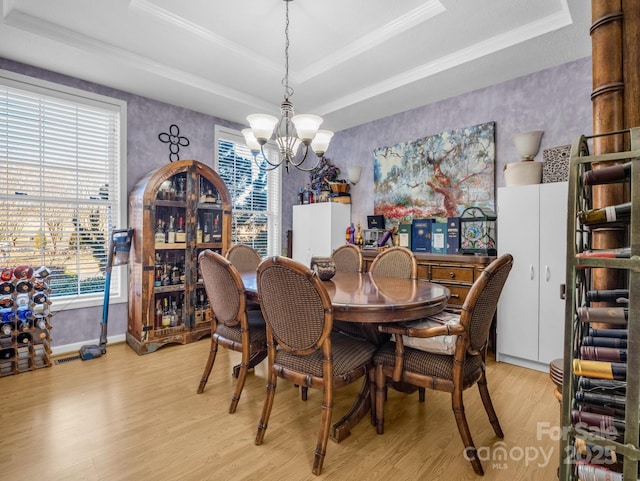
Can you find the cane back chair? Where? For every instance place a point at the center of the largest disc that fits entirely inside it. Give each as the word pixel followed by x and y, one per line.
pixel 450 373
pixel 302 348
pixel 395 262
pixel 243 257
pixel 347 258
pixel 233 326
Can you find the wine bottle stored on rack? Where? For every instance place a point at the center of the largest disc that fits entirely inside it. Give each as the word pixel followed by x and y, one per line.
pixel 611 213
pixel 607 175
pixel 602 385
pixel 608 315
pixel 620 253
pixel 600 369
pixel 610 342
pixel 597 353
pixel 620 296
pixel 617 333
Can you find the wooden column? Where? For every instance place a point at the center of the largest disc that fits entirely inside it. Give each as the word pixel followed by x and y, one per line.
pixel 615 37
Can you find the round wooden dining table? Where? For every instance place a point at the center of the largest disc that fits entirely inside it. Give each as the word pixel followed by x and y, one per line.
pixel 361 297
pixel 371 300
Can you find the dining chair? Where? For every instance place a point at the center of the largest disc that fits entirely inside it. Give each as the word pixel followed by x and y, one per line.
pixel 395 262
pixel 347 258
pixel 302 348
pixel 245 258
pixel 426 367
pixel 233 326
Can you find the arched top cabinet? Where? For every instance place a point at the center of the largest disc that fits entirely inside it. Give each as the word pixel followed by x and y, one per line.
pixel 176 211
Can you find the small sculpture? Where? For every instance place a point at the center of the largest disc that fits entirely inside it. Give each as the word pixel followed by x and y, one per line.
pixel 359 239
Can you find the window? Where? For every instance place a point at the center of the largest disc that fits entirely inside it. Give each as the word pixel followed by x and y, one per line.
pixel 255 193
pixel 62 171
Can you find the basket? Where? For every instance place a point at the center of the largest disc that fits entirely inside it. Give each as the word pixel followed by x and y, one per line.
pixel 339 187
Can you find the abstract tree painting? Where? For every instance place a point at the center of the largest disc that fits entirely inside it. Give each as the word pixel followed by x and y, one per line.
pixel 435 176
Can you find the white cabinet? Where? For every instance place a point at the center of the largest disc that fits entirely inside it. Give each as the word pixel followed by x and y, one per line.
pixel 318 229
pixel 532 226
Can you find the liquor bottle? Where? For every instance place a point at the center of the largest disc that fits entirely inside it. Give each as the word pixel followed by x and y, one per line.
pixel 600 369
pixel 199 233
pixel 608 315
pixel 612 213
pixel 181 235
pixel 199 308
pixel 300 196
pixel 158 315
pixel 206 234
pixel 216 234
pixel 40 297
pixel 159 236
pixel 607 175
pixel 166 275
pixel 157 281
pixel 597 353
pixel 166 317
pixel 621 296
pixel 171 231
pixel 173 314
pixel 208 312
pixel 175 273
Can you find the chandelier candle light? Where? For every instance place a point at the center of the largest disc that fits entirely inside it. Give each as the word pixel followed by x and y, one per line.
pixel 290 130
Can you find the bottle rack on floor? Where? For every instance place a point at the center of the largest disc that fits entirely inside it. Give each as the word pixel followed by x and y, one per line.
pixel 24 319
pixel 601 368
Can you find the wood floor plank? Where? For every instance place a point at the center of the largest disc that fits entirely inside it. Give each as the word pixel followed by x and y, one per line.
pixel 124 416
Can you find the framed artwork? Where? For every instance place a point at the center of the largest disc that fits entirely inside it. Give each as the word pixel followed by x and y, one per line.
pixel 436 176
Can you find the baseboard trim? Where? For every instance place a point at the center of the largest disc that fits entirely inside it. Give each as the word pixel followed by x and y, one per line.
pixel 75 347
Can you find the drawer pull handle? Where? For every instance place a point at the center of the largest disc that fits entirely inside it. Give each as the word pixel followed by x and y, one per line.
pixel 452 275
pixel 456 296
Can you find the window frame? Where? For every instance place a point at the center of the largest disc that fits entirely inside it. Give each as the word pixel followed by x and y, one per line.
pixel 274 200
pixel 119 280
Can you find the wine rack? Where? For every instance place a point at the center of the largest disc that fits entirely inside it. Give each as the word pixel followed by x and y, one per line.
pixel 176 211
pixel 25 341
pixel 601 368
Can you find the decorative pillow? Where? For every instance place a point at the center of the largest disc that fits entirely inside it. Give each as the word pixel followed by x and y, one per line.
pixel 438 344
pixel 555 164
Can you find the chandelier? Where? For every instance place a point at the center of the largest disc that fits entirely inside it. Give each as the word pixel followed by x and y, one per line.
pixel 290 130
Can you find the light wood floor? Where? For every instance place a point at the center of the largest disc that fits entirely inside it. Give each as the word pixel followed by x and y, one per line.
pixel 129 417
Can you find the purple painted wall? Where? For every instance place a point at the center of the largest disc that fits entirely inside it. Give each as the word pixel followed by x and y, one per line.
pixel 556 100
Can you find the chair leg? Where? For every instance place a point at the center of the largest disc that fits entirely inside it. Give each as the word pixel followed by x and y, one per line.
pixel 242 376
pixel 266 408
pixel 323 435
pixel 381 388
pixel 209 366
pixel 470 452
pixel 372 394
pixel 488 406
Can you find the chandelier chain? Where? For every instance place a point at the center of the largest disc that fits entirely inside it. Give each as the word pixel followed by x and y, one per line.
pixel 288 91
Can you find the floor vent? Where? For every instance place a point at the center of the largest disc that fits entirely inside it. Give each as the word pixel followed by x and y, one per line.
pixel 67 359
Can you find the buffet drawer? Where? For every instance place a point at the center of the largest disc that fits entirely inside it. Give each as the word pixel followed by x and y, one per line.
pixel 452 274
pixel 458 294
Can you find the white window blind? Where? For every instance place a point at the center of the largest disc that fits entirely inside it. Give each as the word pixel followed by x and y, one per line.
pixel 255 193
pixel 61 185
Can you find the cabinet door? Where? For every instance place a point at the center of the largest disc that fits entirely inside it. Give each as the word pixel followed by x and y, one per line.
pixel 553 250
pixel 517 329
